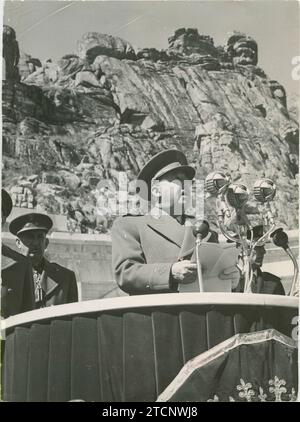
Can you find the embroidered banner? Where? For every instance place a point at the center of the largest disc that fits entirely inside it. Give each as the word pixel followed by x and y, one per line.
pixel 259 366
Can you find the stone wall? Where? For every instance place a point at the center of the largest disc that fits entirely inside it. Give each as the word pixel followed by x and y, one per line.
pixel 90 257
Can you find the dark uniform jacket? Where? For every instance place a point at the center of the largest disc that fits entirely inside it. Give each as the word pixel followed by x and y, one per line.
pixel 144 249
pixel 265 283
pixel 59 285
pixel 17 293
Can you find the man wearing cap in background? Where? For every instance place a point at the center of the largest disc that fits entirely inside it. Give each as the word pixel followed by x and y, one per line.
pixel 151 253
pixel 53 284
pixel 17 293
pixel 262 281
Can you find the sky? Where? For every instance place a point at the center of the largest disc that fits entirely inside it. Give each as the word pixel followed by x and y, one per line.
pixel 51 29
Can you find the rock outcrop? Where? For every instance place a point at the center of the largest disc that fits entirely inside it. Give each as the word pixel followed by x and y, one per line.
pixel 107 110
pixel 242 50
pixel 94 44
pixel 28 65
pixel 10 54
pixel 189 41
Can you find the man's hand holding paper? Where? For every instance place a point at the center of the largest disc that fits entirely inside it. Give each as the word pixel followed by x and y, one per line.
pixel 184 272
pixel 219 271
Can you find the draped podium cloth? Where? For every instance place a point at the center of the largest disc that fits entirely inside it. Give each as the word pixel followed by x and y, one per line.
pixel 127 354
pixel 253 367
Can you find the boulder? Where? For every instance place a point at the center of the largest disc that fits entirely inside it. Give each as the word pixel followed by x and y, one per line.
pixel 189 41
pixel 93 44
pixel 68 67
pixel 242 50
pixel 71 180
pixel 27 65
pixel 151 54
pixel 151 123
pixel 86 78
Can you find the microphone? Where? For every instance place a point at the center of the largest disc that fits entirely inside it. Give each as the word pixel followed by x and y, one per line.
pixel 201 229
pixel 264 190
pixel 216 183
pixel 237 195
pixel 280 239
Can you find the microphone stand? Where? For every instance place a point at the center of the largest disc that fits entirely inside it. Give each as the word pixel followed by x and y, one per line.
pixel 199 268
pixel 264 192
pixel 241 222
pixel 236 195
pixel 280 239
pixel 201 230
pixel 294 290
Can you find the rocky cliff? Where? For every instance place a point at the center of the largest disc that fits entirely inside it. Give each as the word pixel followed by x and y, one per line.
pixel 69 124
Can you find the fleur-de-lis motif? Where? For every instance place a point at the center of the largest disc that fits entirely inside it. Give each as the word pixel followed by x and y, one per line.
pixel 262 396
pixel 277 387
pixel 246 391
pixel 216 398
pixel 293 396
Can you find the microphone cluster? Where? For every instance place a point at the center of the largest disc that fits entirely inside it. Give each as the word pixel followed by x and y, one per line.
pixel 231 201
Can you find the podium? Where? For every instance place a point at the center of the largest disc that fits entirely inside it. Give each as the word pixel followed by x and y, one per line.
pixel 128 348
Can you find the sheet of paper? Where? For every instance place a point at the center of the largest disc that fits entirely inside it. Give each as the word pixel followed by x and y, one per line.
pixel 214 258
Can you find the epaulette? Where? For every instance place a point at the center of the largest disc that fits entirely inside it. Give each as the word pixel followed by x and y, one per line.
pixel 13 254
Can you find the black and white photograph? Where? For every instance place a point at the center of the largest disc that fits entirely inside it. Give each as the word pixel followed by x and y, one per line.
pixel 149 203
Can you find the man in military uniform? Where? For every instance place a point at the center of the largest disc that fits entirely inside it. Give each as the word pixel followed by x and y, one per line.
pixel 17 293
pixel 151 253
pixel 262 281
pixel 54 284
